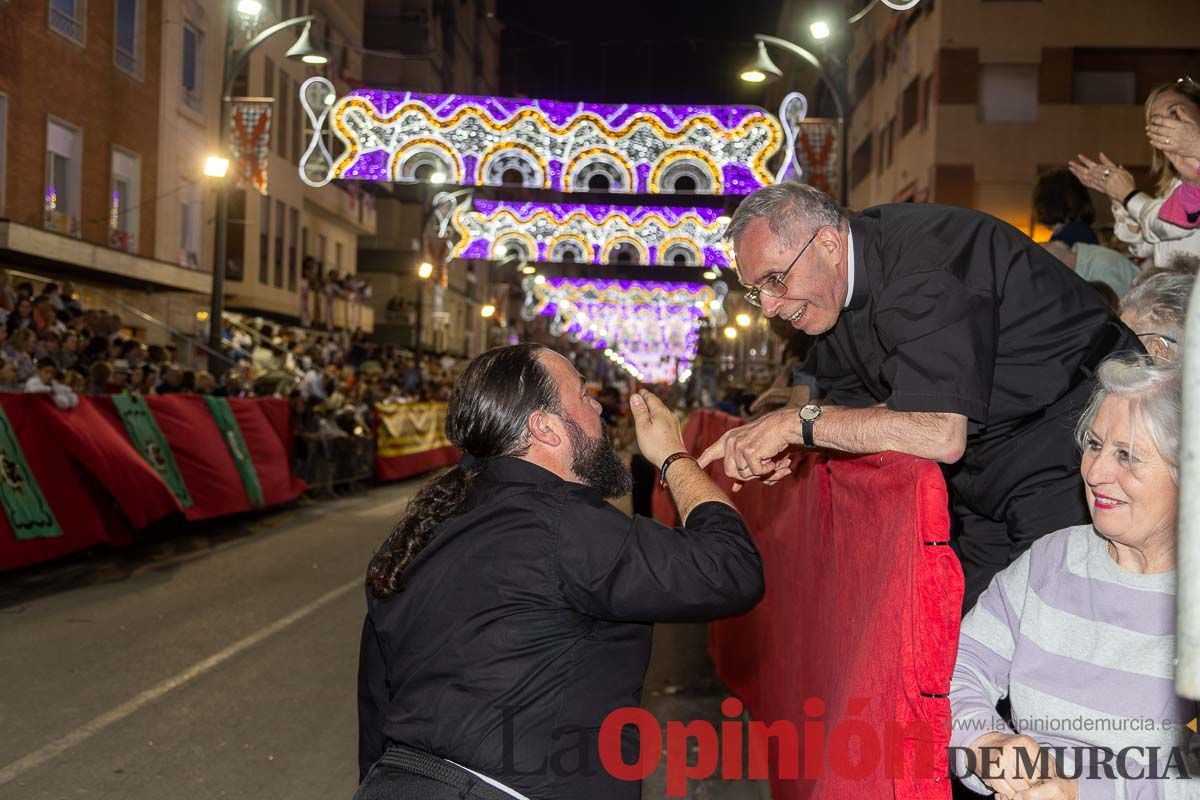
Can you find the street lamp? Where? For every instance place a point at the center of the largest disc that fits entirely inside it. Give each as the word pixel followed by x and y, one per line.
pixel 819 29
pixel 764 69
pixel 235 60
pixel 216 167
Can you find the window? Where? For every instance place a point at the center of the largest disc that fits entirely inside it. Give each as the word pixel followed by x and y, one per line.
pixel 264 233
pixel 66 17
pixel 337 258
pixel 268 78
pixel 3 147
pixel 910 104
pixel 321 250
pixel 127 37
pixel 293 234
pixel 1095 87
pixel 280 211
pixel 193 65
pixel 235 243
pixel 191 210
pixel 64 152
pixel 124 200
pixel 281 116
pixel 1008 93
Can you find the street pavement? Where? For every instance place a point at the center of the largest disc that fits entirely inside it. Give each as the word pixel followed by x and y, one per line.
pixel 219 662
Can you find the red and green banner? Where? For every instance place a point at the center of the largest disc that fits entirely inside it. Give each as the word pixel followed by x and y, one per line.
pixel 232 434
pixel 150 443
pixel 28 513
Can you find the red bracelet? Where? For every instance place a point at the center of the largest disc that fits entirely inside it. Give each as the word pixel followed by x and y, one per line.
pixel 671 459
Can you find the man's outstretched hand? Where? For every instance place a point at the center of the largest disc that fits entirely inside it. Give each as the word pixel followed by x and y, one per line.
pixel 657 428
pixel 751 452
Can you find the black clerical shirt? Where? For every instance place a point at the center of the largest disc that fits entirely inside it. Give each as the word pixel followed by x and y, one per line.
pixel 528 620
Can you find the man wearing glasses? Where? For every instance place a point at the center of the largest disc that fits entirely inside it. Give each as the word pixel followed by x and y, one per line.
pixel 944 333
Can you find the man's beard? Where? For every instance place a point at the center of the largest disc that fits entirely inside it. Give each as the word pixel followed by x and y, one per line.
pixel 596 463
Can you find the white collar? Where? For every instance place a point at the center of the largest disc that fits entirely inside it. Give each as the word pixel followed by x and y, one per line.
pixel 849 266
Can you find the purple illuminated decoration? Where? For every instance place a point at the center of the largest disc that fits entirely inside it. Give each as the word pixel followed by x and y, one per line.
pixel 573 232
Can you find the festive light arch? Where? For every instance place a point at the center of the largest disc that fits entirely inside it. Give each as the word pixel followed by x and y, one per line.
pixel 728 146
pixel 652 230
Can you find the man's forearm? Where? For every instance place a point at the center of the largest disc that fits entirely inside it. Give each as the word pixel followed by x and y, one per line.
pixel 690 486
pixel 939 437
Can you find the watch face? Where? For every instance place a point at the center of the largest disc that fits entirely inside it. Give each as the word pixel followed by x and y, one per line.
pixel 810 413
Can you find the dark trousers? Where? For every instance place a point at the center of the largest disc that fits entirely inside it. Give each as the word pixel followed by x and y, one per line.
pixel 405 774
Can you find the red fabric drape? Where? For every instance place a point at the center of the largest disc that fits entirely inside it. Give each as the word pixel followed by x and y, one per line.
pixel 100 488
pixel 400 467
pixel 861 612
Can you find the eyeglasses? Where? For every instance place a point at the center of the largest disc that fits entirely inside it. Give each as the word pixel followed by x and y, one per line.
pixel 773 286
pixel 1163 336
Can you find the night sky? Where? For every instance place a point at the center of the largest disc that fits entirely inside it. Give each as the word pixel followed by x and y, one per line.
pixel 682 51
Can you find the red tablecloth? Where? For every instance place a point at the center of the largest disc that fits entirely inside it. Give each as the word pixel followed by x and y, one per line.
pixel 861 613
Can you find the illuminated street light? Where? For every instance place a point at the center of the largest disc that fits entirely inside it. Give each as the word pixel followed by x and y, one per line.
pixel 437 178
pixel 762 69
pixel 304 50
pixel 487 311
pixel 819 29
pixel 216 167
pixel 250 8
pixel 528 269
pixel 709 275
pixel 743 320
pixel 424 270
pixel 730 332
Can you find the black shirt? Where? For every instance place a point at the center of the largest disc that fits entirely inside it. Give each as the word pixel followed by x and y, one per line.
pixel 955 311
pixel 528 619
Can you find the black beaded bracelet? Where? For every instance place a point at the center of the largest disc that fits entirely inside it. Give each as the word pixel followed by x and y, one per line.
pixel 1128 197
pixel 671 459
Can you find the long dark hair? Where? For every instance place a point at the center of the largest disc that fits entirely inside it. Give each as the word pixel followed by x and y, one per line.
pixel 487 416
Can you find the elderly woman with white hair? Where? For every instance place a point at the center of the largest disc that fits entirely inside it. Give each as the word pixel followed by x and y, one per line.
pixel 1156 310
pixel 1079 632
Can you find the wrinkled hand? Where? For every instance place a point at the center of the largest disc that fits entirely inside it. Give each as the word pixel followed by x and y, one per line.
pixel 1012 780
pixel 1117 183
pixel 771 398
pixel 750 452
pixel 657 428
pixel 1053 789
pixel 1179 136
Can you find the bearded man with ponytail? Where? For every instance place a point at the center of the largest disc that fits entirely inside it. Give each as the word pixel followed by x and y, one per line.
pixel 512 607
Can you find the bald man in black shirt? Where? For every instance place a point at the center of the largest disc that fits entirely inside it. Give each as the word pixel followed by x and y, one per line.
pixel 944 333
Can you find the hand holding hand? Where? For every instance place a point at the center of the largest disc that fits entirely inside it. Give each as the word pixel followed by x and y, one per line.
pixel 657 428
pixel 1007 775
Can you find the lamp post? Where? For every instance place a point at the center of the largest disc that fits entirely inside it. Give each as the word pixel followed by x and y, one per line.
pixel 765 70
pixel 235 60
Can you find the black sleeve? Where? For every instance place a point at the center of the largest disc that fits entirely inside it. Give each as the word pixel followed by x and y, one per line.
pixel 613 567
pixel 941 338
pixel 836 383
pixel 372 698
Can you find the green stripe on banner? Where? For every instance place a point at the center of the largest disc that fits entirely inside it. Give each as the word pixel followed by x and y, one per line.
pixel 227 422
pixel 149 441
pixel 29 515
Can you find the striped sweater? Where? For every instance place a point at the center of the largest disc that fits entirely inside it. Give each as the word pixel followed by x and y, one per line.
pixel 1085 652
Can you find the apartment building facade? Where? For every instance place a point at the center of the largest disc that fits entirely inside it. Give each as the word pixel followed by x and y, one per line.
pixel 966 102
pixel 440 47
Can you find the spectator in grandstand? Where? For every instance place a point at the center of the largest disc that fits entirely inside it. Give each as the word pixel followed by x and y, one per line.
pixel 8 295
pixel 8 377
pixel 45 381
pixel 1139 218
pixel 1095 263
pixel 451 614
pixel 69 354
pixel 1082 625
pixel 19 350
pixel 150 381
pixel 22 315
pixel 172 380
pixel 232 385
pixel 948 335
pixel 53 293
pixel 205 383
pixel 1062 203
pixel 99 376
pixel 121 379
pixel 44 316
pixel 1156 311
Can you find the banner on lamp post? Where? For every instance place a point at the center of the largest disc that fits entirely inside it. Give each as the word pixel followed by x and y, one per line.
pixel 250 141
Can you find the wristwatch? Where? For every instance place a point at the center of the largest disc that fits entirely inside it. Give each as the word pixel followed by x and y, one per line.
pixel 808 415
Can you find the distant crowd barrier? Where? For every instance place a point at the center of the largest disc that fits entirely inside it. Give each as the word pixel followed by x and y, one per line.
pixel 410 439
pixel 855 640
pixel 74 478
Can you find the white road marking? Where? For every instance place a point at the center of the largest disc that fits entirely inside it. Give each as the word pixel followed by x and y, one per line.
pixel 84 732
